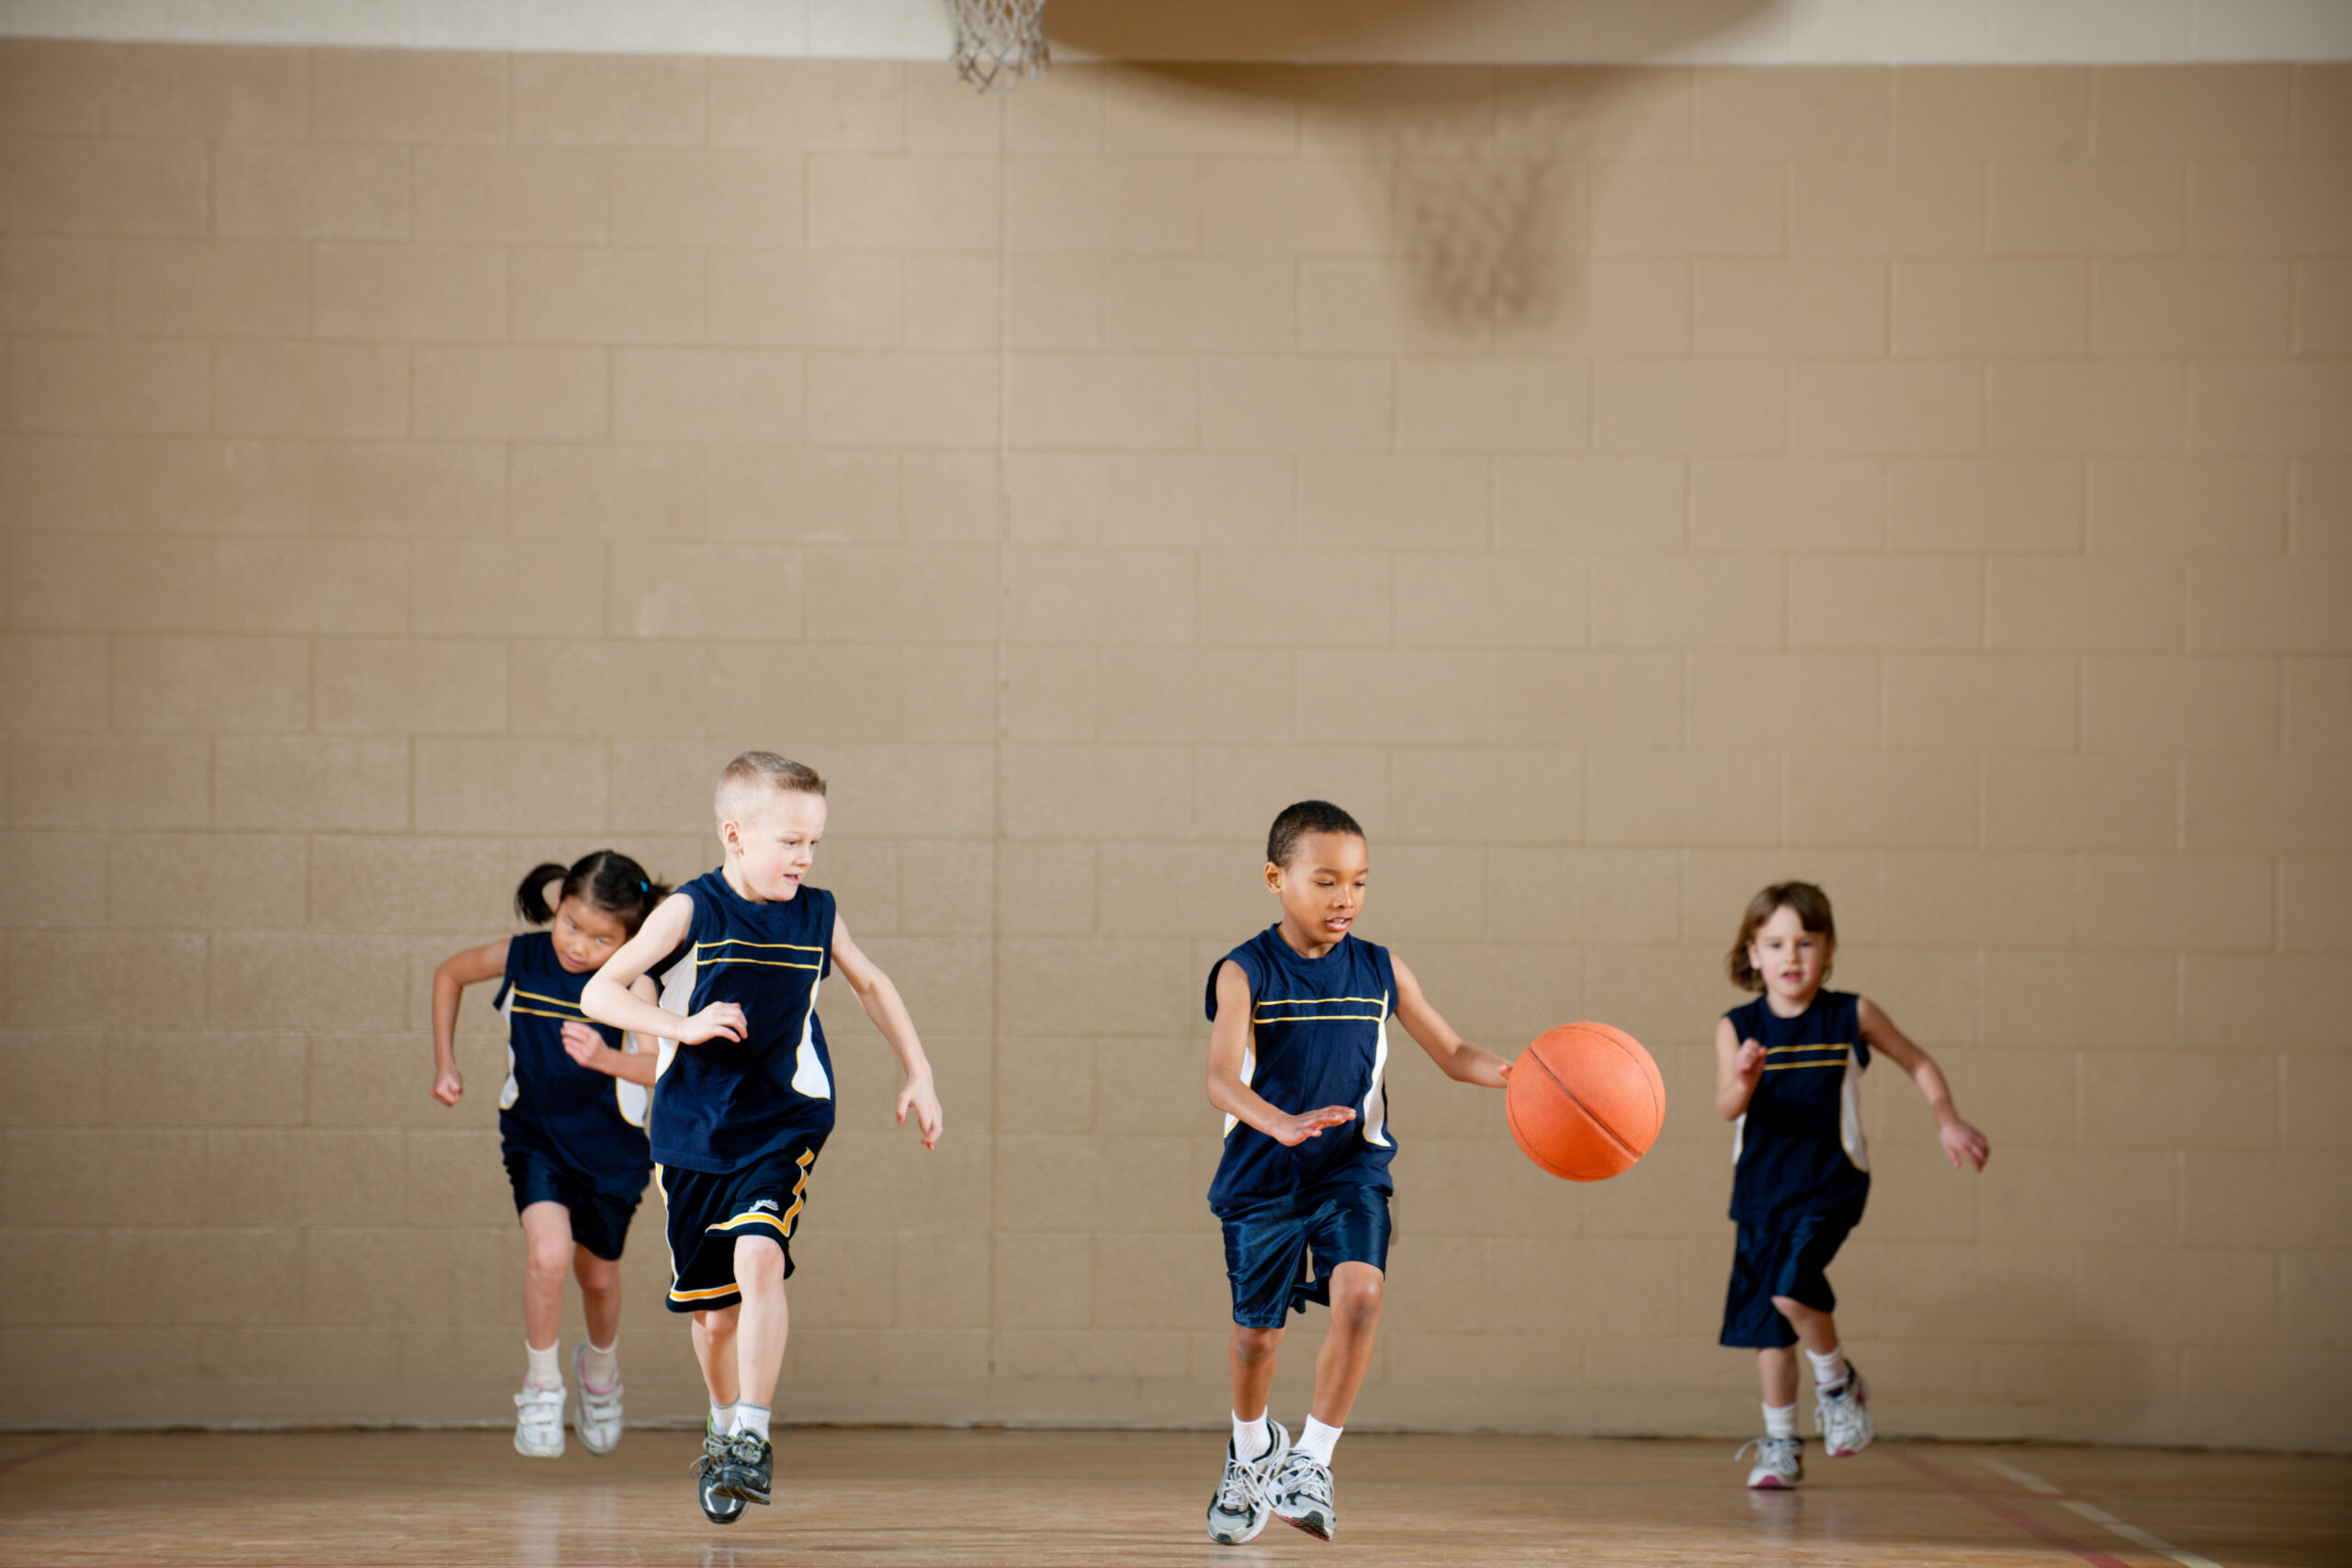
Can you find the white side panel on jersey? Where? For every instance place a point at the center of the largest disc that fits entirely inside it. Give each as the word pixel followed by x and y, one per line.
pixel 1375 1102
pixel 1849 1112
pixel 1248 1071
pixel 513 1090
pixel 1739 1135
pixel 635 1098
pixel 808 1072
pixel 677 996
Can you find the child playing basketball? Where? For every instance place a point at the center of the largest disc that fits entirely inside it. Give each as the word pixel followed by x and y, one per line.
pixel 744 1092
pixel 571 1116
pixel 1298 1049
pixel 1788 1074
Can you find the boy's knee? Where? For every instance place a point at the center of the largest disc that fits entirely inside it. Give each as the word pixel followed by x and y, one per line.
pixel 758 1266
pixel 1356 1301
pixel 548 1259
pixel 598 1276
pixel 1255 1343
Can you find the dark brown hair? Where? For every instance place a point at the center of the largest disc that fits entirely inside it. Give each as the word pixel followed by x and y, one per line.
pixel 610 880
pixel 1297 821
pixel 1812 906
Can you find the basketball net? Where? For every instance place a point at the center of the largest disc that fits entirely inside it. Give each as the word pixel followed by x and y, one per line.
pixel 1000 41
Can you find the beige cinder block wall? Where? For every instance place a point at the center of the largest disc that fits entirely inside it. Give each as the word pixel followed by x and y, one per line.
pixel 1620 488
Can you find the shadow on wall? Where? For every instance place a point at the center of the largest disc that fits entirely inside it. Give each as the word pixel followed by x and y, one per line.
pixel 1473 170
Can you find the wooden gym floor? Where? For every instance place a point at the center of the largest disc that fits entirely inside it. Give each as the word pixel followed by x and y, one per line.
pixel 909 1497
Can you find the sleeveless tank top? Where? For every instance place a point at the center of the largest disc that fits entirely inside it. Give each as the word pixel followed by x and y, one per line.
pixel 1798 1149
pixel 1318 1035
pixel 590 1122
pixel 725 1104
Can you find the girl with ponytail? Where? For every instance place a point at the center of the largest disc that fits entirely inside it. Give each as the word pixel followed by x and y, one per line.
pixel 572 1117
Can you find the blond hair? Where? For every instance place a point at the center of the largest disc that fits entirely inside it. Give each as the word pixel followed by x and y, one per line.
pixel 752 772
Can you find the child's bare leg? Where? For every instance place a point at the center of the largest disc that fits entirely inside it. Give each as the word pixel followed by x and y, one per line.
pixel 715 1348
pixel 1817 1330
pixel 1347 1349
pixel 600 1294
pixel 547 1259
pixel 1253 1368
pixel 766 1320
pixel 1777 1371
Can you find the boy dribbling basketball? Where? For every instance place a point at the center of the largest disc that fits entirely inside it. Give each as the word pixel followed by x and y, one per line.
pixel 1298 1052
pixel 1787 1075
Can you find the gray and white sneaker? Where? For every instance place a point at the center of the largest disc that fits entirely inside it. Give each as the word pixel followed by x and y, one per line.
pixel 1243 1500
pixel 598 1415
pixel 1302 1495
pixel 538 1422
pixel 1780 1463
pixel 1844 1415
pixel 718 1448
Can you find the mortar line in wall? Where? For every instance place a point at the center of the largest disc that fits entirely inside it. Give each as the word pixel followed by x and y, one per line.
pixel 1004 695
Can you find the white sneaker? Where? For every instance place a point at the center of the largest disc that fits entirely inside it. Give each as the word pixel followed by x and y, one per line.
pixel 599 1416
pixel 1780 1463
pixel 538 1422
pixel 1302 1495
pixel 1244 1499
pixel 1844 1416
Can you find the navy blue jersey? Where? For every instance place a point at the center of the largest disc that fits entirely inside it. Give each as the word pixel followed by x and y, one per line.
pixel 587 1121
pixel 1319 1036
pixel 723 1104
pixel 1798 1149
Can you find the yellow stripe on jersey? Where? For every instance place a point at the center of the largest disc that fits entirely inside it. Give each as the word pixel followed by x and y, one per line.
pixel 739 941
pixel 1260 1015
pixel 763 962
pixel 551 1002
pixel 564 1017
pixel 727 1289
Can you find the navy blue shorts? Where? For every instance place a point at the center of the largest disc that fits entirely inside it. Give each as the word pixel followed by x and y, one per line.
pixel 709 1212
pixel 599 1220
pixel 1788 1260
pixel 1279 1255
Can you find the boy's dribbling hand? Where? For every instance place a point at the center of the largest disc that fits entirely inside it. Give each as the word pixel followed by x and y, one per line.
pixel 917 1096
pixel 1750 1062
pixel 1963 1142
pixel 1292 1131
pixel 719 1021
pixel 581 1043
pixel 448 1086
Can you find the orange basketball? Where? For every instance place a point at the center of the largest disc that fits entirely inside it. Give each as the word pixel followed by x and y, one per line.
pixel 1585 1102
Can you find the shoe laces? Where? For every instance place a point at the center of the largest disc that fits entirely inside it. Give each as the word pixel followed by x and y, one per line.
pixel 1774 1453
pixel 1304 1477
pixel 1243 1490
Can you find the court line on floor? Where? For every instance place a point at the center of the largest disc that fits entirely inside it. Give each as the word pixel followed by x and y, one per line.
pixel 2099 1517
pixel 2001 1510
pixel 8 1465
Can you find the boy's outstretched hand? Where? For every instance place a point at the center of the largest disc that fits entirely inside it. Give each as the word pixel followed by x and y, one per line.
pixel 719 1021
pixel 917 1096
pixel 1963 1142
pixel 1292 1131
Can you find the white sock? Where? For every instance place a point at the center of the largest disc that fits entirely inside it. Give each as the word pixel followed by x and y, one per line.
pixel 1828 1371
pixel 1780 1422
pixel 1251 1439
pixel 543 1371
pixel 753 1418
pixel 600 1368
pixel 722 1419
pixel 1317 1441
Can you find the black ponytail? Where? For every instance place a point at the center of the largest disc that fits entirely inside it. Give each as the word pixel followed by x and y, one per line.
pixel 531 898
pixel 608 879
